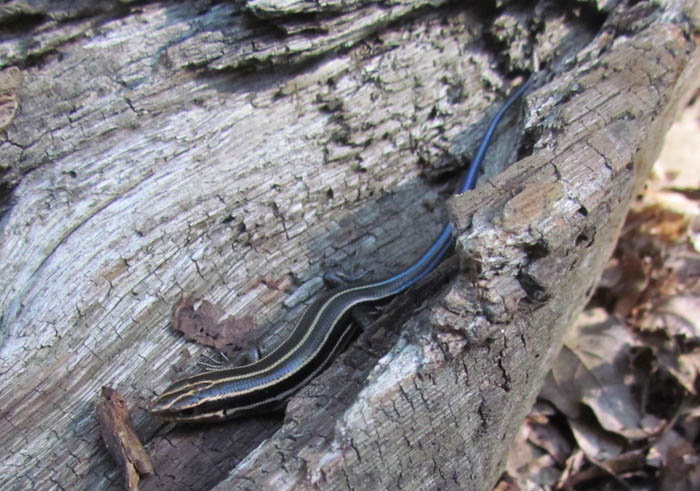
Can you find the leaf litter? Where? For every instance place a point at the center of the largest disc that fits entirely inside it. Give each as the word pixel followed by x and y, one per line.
pixel 620 408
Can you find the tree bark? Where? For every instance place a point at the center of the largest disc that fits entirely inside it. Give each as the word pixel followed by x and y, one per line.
pixel 235 150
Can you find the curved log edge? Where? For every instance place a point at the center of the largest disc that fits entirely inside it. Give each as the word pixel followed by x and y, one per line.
pixel 236 149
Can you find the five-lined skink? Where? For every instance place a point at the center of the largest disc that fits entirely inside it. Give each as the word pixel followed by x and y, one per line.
pixel 322 332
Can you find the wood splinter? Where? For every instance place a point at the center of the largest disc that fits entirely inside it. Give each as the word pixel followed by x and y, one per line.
pixel 121 439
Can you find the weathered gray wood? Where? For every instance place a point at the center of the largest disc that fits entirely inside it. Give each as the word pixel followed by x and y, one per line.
pixel 235 149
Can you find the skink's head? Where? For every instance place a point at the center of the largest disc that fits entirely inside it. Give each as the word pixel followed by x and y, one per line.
pixel 189 400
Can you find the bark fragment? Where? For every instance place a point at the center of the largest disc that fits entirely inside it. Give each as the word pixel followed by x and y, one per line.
pixel 121 439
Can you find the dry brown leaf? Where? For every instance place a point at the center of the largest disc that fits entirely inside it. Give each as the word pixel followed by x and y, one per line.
pixel 683 367
pixel 591 369
pixel 537 474
pixel 539 451
pixel 695 236
pixel 677 318
pixel 505 485
pixel 10 79
pixel 522 452
pixel 690 366
pixel 692 413
pixel 208 324
pixel 550 439
pixel 678 315
pixel 574 464
pixel 660 222
pixel 653 281
pixel 657 254
pixel 677 165
pixel 8 108
pixel 634 273
pixel 678 461
pixel 676 201
pixel 595 442
pixel 613 468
